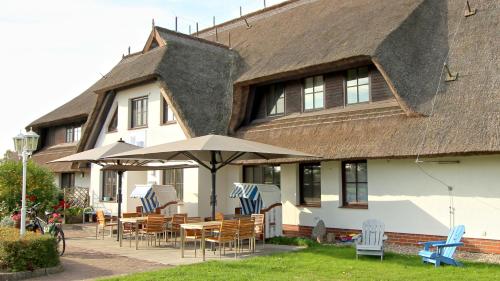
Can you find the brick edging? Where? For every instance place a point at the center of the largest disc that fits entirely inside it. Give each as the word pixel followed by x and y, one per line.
pixel 474 245
pixel 9 276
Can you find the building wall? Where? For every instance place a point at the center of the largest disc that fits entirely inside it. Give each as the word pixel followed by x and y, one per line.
pixel 81 179
pixel 155 133
pixel 406 199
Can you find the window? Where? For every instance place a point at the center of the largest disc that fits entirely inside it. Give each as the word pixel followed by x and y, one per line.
pixel 275 100
pixel 109 185
pixel 73 134
pixel 358 88
pixel 67 180
pixel 167 113
pixel 139 112
pixel 313 93
pixel 355 183
pixel 113 124
pixel 262 174
pixel 310 184
pixel 175 178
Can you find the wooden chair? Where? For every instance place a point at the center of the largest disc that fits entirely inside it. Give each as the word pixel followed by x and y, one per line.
pixel 444 250
pixel 219 216
pixel 102 224
pixel 193 235
pixel 259 227
pixel 129 228
pixel 371 240
pixel 227 233
pixel 175 226
pixel 246 231
pixel 153 227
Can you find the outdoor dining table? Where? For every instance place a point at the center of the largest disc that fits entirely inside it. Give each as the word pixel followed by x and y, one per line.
pixel 203 226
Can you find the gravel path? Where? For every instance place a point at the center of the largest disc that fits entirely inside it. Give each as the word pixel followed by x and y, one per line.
pixel 475 257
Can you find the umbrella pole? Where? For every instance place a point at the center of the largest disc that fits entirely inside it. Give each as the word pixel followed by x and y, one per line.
pixel 213 196
pixel 119 200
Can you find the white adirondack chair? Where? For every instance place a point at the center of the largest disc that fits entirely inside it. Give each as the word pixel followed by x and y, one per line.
pixel 371 240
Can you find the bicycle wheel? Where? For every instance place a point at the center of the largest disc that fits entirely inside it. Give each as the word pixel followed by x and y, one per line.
pixel 61 242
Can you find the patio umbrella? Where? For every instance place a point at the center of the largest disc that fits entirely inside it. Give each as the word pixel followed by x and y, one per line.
pixel 212 152
pixel 97 155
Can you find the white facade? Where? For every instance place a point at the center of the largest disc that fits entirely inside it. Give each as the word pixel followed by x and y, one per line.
pixel 405 198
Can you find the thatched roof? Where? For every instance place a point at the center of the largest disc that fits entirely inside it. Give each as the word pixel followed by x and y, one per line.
pixel 53 153
pixel 408 41
pixel 196 75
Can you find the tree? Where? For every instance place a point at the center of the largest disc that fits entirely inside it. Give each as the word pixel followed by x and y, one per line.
pixel 40 187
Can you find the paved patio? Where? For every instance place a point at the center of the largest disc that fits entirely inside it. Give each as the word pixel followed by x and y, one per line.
pixel 87 258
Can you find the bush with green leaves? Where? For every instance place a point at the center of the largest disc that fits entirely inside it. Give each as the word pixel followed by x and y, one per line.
pixel 31 252
pixel 40 186
pixel 7 221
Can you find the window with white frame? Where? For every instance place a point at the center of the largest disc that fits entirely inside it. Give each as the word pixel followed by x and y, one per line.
pixel 358 85
pixel 314 93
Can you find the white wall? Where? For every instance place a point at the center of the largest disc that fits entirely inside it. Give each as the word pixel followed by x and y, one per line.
pixel 405 198
pixel 155 133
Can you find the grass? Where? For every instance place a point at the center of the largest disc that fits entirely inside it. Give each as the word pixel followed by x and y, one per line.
pixel 321 263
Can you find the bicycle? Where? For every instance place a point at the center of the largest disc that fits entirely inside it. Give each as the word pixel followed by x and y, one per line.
pixel 39 225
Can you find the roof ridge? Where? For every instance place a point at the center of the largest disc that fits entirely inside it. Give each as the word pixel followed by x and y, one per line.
pixel 235 22
pixel 191 37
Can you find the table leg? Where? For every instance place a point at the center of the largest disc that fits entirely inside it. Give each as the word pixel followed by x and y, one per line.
pixel 137 236
pixel 182 241
pixel 203 242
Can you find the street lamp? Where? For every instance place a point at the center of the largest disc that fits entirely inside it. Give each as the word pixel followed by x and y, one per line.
pixel 24 145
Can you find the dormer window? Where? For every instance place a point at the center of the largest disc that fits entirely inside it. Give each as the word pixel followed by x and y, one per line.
pixel 358 85
pixel 73 134
pixel 314 93
pixel 275 100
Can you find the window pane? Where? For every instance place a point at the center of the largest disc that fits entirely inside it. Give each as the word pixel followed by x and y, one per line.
pixel 77 134
pixel 248 174
pixel 362 193
pixel 268 174
pixel 350 172
pixel 350 195
pixel 351 77
pixel 363 75
pixel 364 93
pixel 318 84
pixel 277 175
pixel 280 106
pixel 308 101
pixel 362 172
pixel 318 100
pixel 352 95
pixel 316 174
pixel 309 85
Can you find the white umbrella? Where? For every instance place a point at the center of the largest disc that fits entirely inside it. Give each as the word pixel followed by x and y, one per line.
pixel 212 152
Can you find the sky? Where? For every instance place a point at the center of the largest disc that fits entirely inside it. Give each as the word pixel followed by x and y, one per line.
pixel 53 50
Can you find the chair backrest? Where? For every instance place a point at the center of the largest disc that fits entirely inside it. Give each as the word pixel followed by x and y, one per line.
pixel 246 227
pixel 130 215
pixel 373 233
pixel 178 219
pixel 219 216
pixel 259 223
pixel 228 230
pixel 454 236
pixel 154 223
pixel 100 217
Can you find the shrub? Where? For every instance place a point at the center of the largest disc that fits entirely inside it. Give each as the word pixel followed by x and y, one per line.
pixel 29 253
pixel 40 186
pixel 7 221
pixel 294 241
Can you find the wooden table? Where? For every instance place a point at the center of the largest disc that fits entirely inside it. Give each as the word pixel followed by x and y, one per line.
pixel 203 226
pixel 135 221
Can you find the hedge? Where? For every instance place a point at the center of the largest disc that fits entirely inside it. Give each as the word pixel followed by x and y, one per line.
pixel 31 252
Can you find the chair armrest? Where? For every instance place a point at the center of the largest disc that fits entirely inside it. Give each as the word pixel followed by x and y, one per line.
pixel 449 245
pixel 431 243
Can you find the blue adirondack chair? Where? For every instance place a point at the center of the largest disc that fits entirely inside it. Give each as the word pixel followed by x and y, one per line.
pixel 444 250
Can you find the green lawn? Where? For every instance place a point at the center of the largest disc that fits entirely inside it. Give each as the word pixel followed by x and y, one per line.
pixel 322 263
